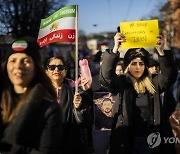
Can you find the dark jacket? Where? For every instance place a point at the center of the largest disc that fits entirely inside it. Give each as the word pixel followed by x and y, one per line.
pixel 121 138
pixel 75 121
pixel 36 127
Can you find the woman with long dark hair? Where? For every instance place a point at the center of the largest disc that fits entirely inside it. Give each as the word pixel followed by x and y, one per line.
pixel 30 115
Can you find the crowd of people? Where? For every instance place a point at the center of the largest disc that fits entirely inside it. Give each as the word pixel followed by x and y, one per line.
pixel 129 99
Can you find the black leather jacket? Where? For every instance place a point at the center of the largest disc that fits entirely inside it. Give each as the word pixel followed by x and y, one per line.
pixel 36 127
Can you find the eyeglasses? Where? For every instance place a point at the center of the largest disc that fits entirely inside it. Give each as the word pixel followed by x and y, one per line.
pixel 53 67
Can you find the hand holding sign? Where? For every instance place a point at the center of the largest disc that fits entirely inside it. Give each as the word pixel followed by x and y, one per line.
pixel 85 71
pixel 160 44
pixel 118 39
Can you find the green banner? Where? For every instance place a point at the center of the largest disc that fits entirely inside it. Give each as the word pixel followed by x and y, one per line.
pixel 68 11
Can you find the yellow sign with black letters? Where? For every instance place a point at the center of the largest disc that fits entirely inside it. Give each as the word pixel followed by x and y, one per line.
pixel 139 33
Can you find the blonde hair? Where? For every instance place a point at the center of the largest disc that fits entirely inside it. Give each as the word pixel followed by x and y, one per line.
pixel 145 82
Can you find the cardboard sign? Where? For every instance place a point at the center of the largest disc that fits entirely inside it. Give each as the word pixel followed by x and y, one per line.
pixel 103 105
pixel 139 33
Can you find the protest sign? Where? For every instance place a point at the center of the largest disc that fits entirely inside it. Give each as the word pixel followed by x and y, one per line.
pixel 139 33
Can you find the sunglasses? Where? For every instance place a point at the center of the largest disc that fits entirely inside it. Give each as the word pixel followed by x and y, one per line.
pixel 53 67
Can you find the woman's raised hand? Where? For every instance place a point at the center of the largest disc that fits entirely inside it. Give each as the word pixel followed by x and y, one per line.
pixel 84 83
pixel 118 39
pixel 160 44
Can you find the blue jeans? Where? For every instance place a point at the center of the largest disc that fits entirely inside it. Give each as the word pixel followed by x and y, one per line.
pixel 101 140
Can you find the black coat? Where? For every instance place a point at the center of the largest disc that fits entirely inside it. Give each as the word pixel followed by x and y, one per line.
pixel 36 127
pixel 73 130
pixel 121 137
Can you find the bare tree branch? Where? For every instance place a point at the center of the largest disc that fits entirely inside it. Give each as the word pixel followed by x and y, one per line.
pixel 22 17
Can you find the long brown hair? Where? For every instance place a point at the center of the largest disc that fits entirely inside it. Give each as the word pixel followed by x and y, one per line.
pixel 8 104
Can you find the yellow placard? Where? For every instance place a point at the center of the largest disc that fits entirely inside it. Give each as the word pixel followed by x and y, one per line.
pixel 140 33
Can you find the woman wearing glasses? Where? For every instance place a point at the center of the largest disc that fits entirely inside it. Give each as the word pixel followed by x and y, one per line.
pixel 74 106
